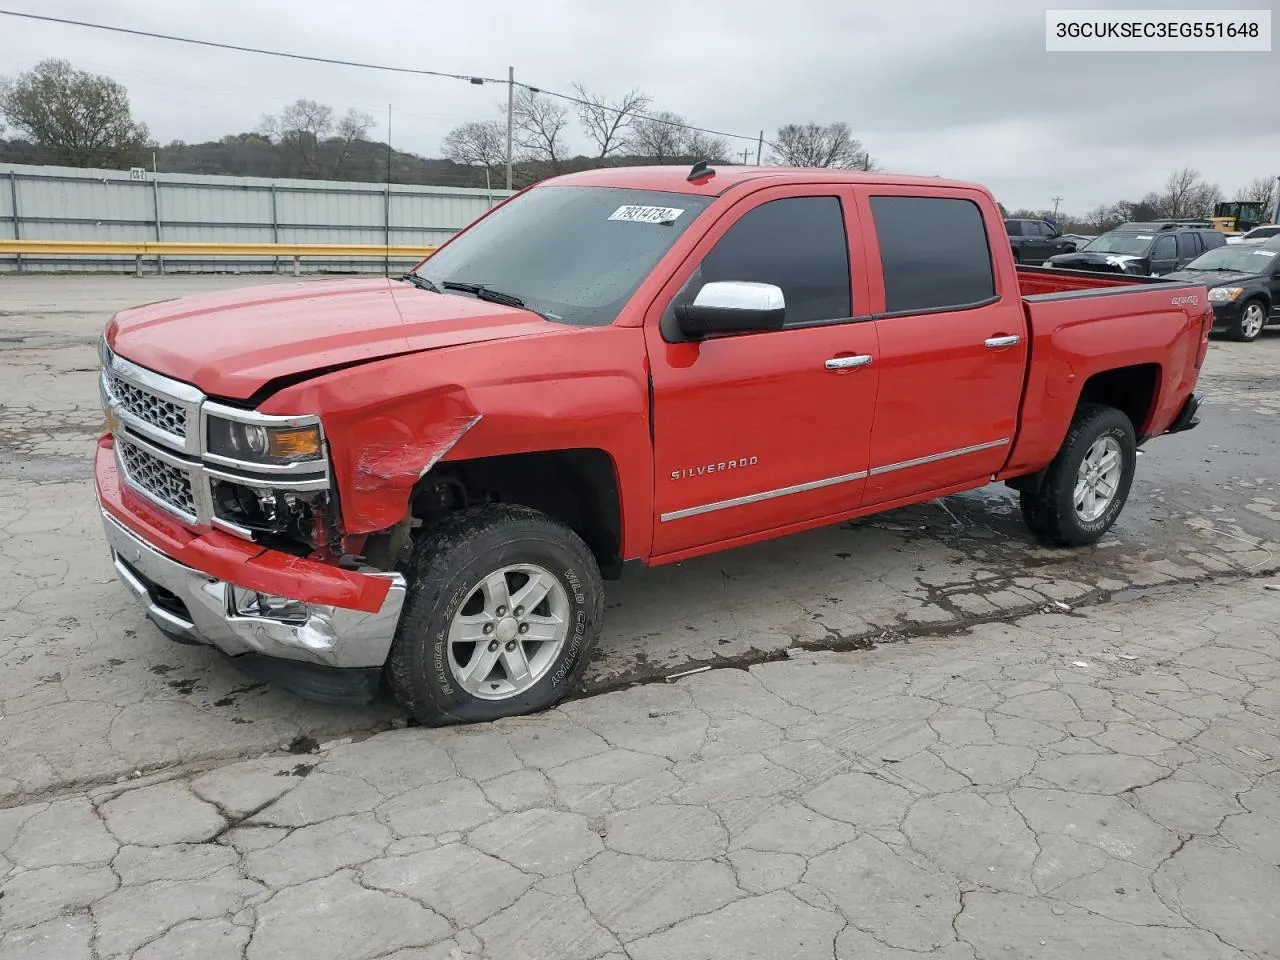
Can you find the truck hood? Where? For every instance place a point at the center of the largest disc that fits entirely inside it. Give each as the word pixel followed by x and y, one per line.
pixel 1215 278
pixel 232 343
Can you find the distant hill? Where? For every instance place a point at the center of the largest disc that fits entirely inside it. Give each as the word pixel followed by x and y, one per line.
pixel 252 155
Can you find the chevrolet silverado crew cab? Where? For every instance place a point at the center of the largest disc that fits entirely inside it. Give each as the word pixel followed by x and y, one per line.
pixel 426 479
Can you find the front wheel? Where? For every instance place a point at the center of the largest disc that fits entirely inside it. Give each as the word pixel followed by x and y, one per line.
pixel 1247 326
pixel 503 609
pixel 1086 486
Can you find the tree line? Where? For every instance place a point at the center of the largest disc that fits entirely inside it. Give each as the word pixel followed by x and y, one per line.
pixel 69 117
pixel 1186 195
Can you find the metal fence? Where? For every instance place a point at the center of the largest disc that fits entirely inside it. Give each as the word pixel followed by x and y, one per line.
pixel 73 204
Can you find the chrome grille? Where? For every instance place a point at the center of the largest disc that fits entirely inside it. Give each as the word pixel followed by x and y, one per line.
pixel 168 485
pixel 150 408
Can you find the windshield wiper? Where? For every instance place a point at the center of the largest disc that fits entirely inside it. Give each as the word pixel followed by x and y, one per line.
pixel 481 292
pixel 422 283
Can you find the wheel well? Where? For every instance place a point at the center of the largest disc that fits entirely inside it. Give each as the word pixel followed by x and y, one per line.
pixel 1131 390
pixel 577 487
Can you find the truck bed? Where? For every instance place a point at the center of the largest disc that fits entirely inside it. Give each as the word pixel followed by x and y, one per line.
pixel 1041 281
pixel 1080 323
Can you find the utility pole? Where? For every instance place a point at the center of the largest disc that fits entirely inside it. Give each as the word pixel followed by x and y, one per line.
pixel 511 110
pixel 1056 201
pixel 386 205
pixel 759 147
pixel 745 153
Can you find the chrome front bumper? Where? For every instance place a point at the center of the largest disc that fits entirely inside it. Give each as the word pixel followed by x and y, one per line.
pixel 192 607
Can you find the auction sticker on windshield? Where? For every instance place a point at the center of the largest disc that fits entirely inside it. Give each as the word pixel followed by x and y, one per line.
pixel 638 214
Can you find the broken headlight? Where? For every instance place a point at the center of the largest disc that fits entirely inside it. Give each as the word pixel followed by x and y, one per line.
pixel 267 444
pixel 268 475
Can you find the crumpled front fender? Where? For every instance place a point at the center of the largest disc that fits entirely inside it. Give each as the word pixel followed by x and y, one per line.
pixel 381 446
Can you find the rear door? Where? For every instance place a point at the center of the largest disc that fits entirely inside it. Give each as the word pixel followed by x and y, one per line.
pixel 1042 246
pixel 952 341
pixel 755 431
pixel 1188 248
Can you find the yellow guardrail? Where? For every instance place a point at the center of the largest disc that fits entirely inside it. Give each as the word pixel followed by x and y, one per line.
pixel 167 248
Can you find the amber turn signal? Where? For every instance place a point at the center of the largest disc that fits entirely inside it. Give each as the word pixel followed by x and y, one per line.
pixel 302 443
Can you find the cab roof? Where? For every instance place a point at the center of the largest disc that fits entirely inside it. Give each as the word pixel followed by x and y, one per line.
pixel 674 178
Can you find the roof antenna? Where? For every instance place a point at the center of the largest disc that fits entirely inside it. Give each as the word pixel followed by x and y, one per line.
pixel 700 173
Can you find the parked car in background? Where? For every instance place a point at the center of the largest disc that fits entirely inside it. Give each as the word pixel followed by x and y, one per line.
pixel 1152 249
pixel 1257 233
pixel 1034 240
pixel 1077 240
pixel 1244 285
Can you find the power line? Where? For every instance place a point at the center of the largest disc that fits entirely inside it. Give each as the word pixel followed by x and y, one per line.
pixel 333 61
pixel 258 50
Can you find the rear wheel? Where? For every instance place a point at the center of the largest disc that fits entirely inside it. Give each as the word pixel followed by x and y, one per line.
pixel 1247 326
pixel 503 609
pixel 1086 486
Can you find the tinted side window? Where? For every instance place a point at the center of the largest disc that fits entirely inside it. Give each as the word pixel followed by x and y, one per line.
pixel 933 251
pixel 1043 229
pixel 798 244
pixel 1187 245
pixel 1164 249
pixel 1212 239
pixel 1014 227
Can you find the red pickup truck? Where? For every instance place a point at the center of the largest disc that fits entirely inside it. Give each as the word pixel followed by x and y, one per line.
pixel 426 479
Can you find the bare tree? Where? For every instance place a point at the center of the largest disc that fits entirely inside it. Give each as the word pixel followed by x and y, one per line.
pixel 665 137
pixel 609 123
pixel 308 134
pixel 811 145
pixel 1102 218
pixel 704 146
pixel 354 126
pixel 660 137
pixel 1187 195
pixel 477 144
pixel 1261 190
pixel 75 118
pixel 539 123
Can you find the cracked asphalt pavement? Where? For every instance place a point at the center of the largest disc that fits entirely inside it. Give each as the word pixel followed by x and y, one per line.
pixel 929 736
pixel 1062 786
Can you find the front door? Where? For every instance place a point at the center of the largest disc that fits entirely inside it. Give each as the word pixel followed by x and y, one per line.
pixel 755 431
pixel 952 346
pixel 1164 256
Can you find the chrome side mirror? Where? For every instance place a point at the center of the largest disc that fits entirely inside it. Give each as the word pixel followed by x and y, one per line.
pixel 732 306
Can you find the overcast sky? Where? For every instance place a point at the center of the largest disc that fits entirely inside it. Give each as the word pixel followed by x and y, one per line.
pixel 958 88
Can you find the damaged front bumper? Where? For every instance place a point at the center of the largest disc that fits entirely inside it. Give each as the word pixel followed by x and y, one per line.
pixel 317 643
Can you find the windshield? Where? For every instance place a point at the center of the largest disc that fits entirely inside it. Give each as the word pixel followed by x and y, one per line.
pixel 1261 233
pixel 574 254
pixel 1235 257
pixel 1135 244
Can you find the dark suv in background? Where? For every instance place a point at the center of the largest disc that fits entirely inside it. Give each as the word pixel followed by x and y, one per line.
pixel 1035 240
pixel 1154 249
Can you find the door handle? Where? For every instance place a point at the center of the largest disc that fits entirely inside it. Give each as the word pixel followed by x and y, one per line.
pixel 995 343
pixel 845 363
